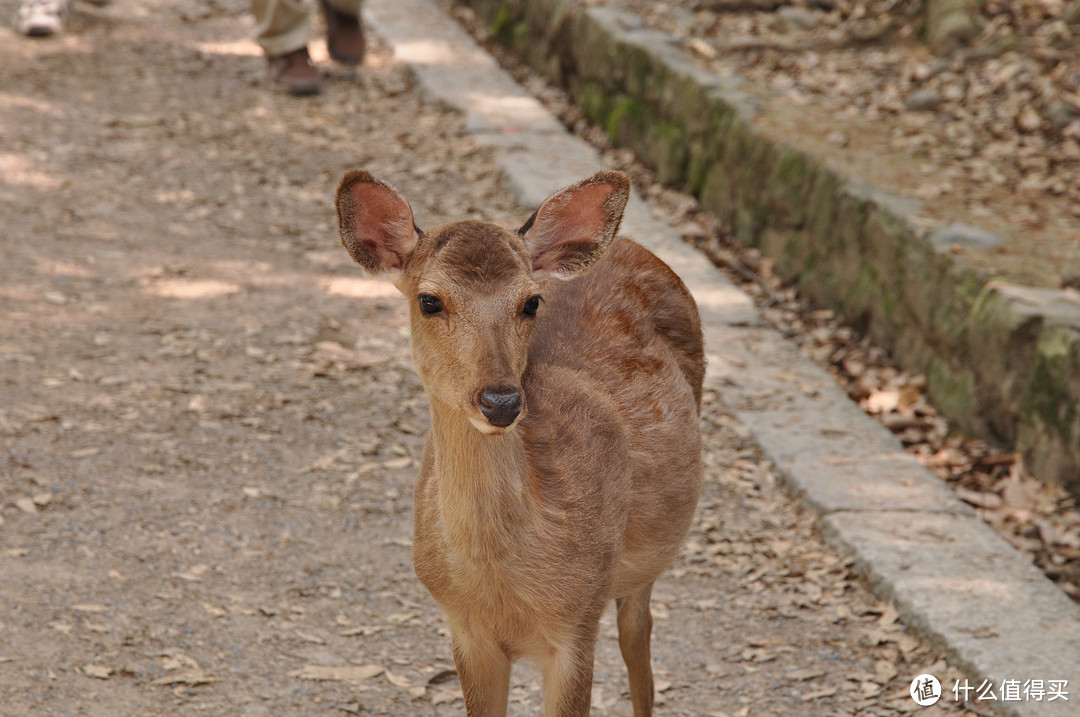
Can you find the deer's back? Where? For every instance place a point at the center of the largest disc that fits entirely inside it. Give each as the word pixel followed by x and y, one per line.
pixel 628 323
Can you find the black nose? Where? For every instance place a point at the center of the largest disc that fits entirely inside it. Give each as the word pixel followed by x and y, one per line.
pixel 500 405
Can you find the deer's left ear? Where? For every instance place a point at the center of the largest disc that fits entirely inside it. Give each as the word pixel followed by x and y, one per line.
pixel 574 227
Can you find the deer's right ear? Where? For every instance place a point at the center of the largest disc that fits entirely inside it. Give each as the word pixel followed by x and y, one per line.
pixel 573 228
pixel 375 222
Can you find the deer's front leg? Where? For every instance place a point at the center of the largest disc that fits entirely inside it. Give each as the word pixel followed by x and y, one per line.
pixel 484 671
pixel 568 678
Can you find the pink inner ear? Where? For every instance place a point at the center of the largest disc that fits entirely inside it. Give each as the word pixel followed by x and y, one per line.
pixel 569 220
pixel 584 215
pixel 384 224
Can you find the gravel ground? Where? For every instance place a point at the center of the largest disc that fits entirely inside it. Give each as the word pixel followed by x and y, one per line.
pixel 209 420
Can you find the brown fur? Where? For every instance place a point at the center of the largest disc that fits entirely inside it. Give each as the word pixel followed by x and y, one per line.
pixel 524 533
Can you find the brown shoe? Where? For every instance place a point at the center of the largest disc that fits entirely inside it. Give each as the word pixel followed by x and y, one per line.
pixel 294 73
pixel 344 36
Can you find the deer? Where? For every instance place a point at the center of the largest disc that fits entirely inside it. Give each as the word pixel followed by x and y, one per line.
pixel 563 366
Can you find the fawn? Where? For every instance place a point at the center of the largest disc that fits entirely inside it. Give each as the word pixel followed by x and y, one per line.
pixel 564 370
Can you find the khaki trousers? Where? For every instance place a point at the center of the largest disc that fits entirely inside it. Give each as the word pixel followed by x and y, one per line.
pixel 285 25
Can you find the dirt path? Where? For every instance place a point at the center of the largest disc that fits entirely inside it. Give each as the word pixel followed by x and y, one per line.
pixel 208 417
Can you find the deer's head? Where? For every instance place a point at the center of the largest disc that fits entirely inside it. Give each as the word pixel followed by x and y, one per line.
pixel 475 289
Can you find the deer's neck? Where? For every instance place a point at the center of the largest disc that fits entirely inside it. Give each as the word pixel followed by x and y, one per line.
pixel 481 484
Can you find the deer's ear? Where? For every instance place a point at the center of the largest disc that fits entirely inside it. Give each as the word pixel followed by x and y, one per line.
pixel 375 222
pixel 573 227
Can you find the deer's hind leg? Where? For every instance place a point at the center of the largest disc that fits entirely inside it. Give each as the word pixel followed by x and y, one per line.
pixel 635 633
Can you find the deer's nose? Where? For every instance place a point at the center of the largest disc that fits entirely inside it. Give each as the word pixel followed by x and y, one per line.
pixel 501 406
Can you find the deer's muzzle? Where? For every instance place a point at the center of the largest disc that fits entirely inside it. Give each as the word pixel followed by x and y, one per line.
pixel 500 406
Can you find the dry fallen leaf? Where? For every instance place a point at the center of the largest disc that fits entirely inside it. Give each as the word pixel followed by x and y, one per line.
pixel 446 694
pixel 907 644
pixel 320 464
pixel 176 660
pixel 364 630
pixel 308 637
pixel 889 616
pixel 343 673
pixel 192 574
pixel 214 610
pixel 882 401
pixel 99 672
pixel 93 608
pixel 192 678
pixel 979 499
pixel 397 680
pixel 62 627
pixel 909 395
pixel 811 696
pixel 804 674
pixel 885 670
pixel 442 677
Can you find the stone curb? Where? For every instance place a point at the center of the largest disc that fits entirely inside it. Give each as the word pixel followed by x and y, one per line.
pixel 1000 366
pixel 951 576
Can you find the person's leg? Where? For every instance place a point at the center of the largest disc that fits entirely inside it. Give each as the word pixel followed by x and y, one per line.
pixel 282 28
pixel 41 18
pixel 344 35
pixel 349 7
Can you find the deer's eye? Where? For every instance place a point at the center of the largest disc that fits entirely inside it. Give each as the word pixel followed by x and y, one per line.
pixel 430 304
pixel 531 305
